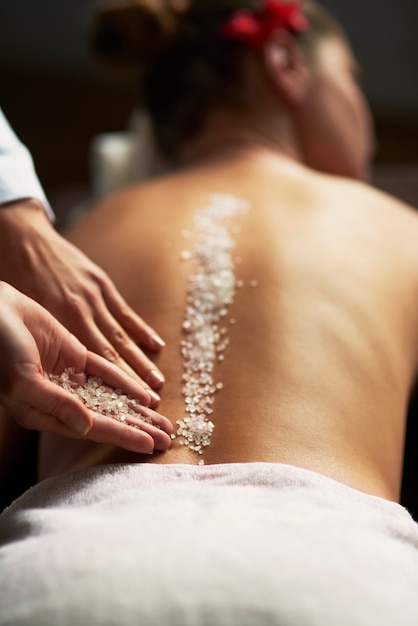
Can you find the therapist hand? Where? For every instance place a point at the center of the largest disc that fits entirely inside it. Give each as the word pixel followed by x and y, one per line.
pixel 35 259
pixel 32 345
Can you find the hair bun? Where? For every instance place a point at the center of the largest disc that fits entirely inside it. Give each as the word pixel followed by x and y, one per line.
pixel 128 33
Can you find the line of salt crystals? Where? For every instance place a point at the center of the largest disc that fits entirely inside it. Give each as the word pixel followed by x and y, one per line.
pixel 100 398
pixel 210 292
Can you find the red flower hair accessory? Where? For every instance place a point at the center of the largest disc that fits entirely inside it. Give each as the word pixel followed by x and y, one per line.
pixel 254 27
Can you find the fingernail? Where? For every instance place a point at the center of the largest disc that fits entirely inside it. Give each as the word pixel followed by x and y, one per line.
pixel 158 340
pixel 78 425
pixel 155 378
pixel 154 396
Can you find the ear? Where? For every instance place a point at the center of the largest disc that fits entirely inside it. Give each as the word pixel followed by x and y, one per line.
pixel 286 67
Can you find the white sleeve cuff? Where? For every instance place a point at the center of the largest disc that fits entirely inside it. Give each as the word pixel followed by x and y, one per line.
pixel 18 179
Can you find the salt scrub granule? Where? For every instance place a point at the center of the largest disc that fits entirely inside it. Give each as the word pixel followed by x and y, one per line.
pixel 210 292
pixel 101 398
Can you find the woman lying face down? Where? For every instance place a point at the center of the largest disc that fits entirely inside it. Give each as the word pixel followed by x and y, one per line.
pixel 285 289
pixel 257 107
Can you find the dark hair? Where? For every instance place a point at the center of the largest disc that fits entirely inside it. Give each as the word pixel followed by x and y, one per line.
pixel 185 68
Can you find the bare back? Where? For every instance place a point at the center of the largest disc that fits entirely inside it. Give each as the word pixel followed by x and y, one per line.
pixel 322 330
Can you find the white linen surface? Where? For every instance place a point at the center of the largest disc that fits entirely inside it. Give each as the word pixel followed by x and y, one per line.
pixel 230 545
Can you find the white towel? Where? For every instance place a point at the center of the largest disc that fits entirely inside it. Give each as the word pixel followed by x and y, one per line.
pixel 222 545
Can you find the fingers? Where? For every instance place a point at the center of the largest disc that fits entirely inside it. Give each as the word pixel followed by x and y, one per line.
pixel 155 419
pixel 89 305
pixel 133 434
pixel 98 344
pixel 127 349
pixel 114 411
pixel 50 408
pixel 128 319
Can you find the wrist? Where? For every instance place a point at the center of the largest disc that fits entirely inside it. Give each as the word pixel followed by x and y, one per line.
pixel 29 202
pixel 23 229
pixel 21 215
pixel 32 204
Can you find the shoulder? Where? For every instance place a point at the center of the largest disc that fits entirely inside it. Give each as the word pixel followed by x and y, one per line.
pixel 369 203
pixel 375 199
pixel 367 217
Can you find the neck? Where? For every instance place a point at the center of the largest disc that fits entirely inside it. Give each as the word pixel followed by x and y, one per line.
pixel 228 132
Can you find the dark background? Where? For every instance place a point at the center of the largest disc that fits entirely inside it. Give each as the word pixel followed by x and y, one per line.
pixel 56 101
